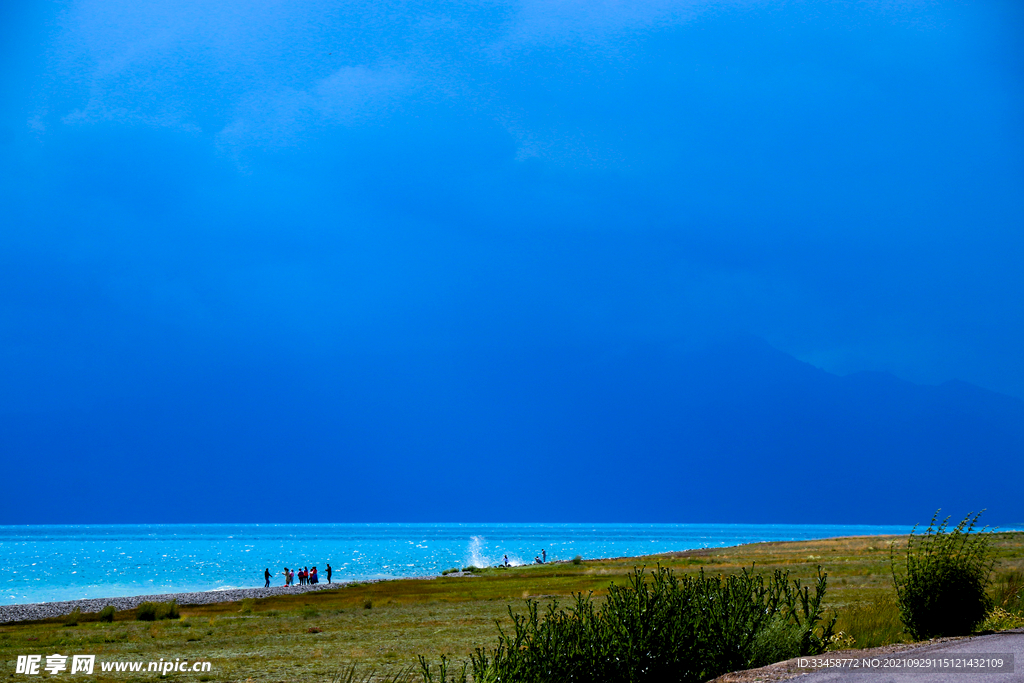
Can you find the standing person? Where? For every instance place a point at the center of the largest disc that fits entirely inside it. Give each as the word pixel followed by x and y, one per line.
pixel 328 573
pixel 266 577
pixel 312 576
pixel 286 580
pixel 543 555
pixel 301 577
pixel 291 577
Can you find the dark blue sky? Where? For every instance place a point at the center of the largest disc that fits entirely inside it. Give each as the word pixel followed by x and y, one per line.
pixel 321 215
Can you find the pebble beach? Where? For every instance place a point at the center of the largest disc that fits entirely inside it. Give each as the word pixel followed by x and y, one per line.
pixel 45 610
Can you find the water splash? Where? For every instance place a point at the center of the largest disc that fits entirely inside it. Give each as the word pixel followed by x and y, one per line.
pixel 475 556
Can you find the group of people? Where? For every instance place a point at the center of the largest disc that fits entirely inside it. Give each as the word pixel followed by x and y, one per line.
pixel 307 576
pixel 540 559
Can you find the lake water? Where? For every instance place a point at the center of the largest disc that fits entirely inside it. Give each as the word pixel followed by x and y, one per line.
pixel 47 563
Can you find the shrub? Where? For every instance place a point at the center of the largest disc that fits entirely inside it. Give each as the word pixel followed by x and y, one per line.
pixel 151 611
pixel 578 559
pixel 778 641
pixel 368 604
pixel 665 629
pixel 107 614
pixel 941 590
pixel 73 618
pixel 168 610
pixel 146 611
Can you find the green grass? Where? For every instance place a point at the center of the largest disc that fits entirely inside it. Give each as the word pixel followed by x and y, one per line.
pixel 269 639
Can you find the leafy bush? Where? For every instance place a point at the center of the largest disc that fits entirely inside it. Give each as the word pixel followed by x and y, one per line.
pixel 664 629
pixel 941 590
pixel 578 559
pixel 151 611
pixel 73 618
pixel 107 614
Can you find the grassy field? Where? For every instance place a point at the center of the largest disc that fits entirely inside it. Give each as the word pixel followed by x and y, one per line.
pixel 384 626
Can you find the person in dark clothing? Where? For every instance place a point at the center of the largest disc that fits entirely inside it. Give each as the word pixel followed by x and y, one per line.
pixel 328 573
pixel 266 577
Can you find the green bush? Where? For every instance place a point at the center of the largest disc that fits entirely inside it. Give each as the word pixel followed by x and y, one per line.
pixel 941 588
pixel 107 614
pixel 578 559
pixel 146 611
pixel 664 629
pixel 151 611
pixel 73 618
pixel 780 640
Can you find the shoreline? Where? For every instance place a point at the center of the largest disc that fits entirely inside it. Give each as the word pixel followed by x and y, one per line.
pixel 33 611
pixel 45 610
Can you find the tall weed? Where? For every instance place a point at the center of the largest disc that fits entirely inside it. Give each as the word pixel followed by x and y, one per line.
pixel 1009 591
pixel 941 587
pixel 873 623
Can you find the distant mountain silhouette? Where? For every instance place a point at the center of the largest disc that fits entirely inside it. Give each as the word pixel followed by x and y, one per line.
pixel 747 431
pixel 739 432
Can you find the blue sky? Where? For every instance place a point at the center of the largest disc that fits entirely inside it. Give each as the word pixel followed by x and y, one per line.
pixel 269 189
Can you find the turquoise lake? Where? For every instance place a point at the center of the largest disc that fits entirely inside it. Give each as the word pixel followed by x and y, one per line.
pixel 48 563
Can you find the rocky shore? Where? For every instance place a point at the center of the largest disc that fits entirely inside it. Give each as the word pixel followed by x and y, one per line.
pixel 45 610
